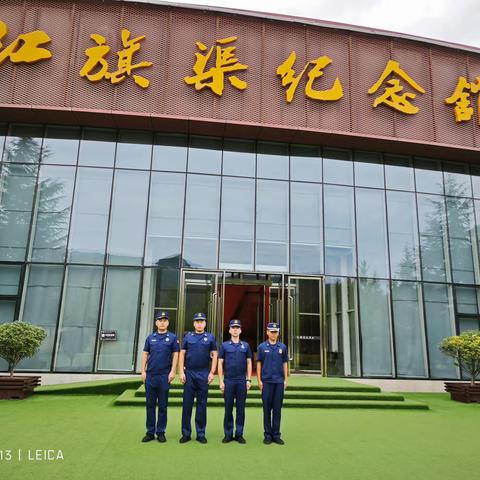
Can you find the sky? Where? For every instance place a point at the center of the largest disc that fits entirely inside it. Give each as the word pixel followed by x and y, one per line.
pixel 456 21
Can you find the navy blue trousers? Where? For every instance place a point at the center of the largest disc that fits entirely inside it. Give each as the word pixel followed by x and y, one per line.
pixel 235 392
pixel 156 390
pixel 196 386
pixel 272 399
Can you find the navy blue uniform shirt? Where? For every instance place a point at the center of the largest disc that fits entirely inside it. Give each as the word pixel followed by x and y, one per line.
pixel 198 347
pixel 235 359
pixel 272 357
pixel 160 347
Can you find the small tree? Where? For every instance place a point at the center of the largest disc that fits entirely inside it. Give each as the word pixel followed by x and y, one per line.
pixel 19 340
pixel 465 350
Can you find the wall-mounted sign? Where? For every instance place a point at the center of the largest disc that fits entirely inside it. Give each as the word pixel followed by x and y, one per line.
pixel 108 335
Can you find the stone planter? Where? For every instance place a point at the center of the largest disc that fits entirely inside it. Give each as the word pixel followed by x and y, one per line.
pixel 463 392
pixel 18 386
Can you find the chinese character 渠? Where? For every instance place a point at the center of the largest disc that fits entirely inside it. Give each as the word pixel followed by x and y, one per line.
pixel 461 98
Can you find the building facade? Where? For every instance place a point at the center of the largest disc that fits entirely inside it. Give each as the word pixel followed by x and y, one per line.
pixel 268 169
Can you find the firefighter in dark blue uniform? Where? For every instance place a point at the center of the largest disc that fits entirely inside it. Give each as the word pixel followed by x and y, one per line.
pixel 272 372
pixel 159 366
pixel 197 365
pixel 235 361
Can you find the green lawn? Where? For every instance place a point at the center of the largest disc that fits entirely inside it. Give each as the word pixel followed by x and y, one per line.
pixel 100 441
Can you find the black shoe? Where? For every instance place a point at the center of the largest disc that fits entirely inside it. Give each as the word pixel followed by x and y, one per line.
pixel 240 439
pixel 227 439
pixel 267 441
pixel 201 440
pixel 184 439
pixel 148 438
pixel 279 441
pixel 161 438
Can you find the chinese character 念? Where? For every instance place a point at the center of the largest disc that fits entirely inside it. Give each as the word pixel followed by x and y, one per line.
pixel 125 66
pixel 461 98
pixel 286 72
pixel 225 63
pixel 391 97
pixel 26 47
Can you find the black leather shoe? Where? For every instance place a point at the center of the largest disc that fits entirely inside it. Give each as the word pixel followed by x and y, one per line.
pixel 161 438
pixel 267 441
pixel 148 438
pixel 227 439
pixel 184 439
pixel 240 439
pixel 201 440
pixel 279 441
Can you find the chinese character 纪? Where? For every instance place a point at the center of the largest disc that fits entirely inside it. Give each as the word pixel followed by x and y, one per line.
pixel 461 98
pixel 125 66
pixel 225 64
pixel 26 47
pixel 391 97
pixel 286 72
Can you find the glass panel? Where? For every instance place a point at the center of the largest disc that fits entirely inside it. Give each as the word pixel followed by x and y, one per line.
pixel 337 166
pixel 127 221
pixel 7 314
pixel 54 201
pixel 17 189
pixel 134 149
pixel 239 157
pixel 399 172
pixel 340 256
pixel 306 228
pixel 23 144
pixel 457 180
pixel 466 299
pixel 461 233
pixel 78 327
pixel 201 221
pixel 91 205
pixel 272 226
pixel 439 317
pixel 3 132
pixel 41 308
pixel 165 219
pixel 237 224
pixel 433 241
pixel 369 170
pixel 205 155
pixel 371 233
pixel 375 328
pixel 409 332
pixel 60 145
pixel 403 235
pixel 120 310
pixel 305 163
pixel 9 279
pixel 272 160
pixel 97 148
pixel 428 176
pixel 475 172
pixel 170 152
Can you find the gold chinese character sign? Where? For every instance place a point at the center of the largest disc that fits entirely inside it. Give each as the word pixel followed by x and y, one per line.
pixel 461 99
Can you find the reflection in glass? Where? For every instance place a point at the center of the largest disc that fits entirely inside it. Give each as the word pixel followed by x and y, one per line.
pixel 201 221
pixel 17 189
pixel 52 215
pixel 134 149
pixel 60 145
pixel 337 166
pixel 466 300
pixel 340 258
pixel 272 160
pixel 78 325
pixel 399 172
pixel 272 226
pixel 127 221
pixel 428 176
pixel 475 172
pixel 408 328
pixel 205 155
pixel 9 279
pixel 165 219
pixel 237 223
pixel 97 147
pixel 23 144
pixel 306 228
pixel 457 180
pixel 371 233
pixel 170 152
pixel 239 157
pixel 369 170
pixel 375 328
pixel 88 231
pixel 403 235
pixel 305 163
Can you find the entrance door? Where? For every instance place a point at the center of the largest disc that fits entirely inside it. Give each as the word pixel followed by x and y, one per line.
pixel 306 324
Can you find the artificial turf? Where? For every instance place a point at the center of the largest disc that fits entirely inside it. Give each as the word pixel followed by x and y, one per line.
pixel 100 441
